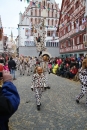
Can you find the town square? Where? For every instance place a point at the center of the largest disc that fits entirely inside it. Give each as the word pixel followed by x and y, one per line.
pixel 43 65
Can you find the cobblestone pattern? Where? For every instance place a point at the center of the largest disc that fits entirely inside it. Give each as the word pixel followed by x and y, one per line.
pixel 59 110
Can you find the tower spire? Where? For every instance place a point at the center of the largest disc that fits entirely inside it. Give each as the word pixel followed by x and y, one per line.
pixel 0 22
pixel 11 36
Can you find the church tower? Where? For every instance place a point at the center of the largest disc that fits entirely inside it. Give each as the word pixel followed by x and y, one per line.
pixel 11 36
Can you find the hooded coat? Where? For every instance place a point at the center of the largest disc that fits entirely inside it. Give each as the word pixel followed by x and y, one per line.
pixel 9 102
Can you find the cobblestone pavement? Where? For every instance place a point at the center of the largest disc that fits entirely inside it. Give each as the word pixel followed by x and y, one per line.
pixel 59 111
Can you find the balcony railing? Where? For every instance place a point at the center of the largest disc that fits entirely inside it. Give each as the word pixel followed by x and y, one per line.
pixel 71 49
pixel 68 34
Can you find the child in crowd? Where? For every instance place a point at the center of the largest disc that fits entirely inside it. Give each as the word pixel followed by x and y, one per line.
pixel 38 85
pixel 83 80
pixel 55 68
pixel 5 67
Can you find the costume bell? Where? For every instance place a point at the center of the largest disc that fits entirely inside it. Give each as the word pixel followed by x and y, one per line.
pixel 38 84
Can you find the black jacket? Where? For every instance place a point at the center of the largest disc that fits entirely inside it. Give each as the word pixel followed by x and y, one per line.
pixel 11 64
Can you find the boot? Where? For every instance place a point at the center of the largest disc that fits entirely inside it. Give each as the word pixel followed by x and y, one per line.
pixel 48 87
pixel 32 89
pixel 77 100
pixel 38 107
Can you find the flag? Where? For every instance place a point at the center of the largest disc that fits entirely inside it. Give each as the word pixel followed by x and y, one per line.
pixel 28 1
pixel 42 7
pixel 38 5
pixel 31 3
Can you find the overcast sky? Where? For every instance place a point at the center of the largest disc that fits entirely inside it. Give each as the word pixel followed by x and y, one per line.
pixel 9 11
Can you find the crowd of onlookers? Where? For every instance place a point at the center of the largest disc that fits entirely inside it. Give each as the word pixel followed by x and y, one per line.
pixel 66 67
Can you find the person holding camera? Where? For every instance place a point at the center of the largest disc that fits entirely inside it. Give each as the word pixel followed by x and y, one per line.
pixel 9 99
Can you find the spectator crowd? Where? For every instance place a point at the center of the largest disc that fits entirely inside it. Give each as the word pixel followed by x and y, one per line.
pixel 66 67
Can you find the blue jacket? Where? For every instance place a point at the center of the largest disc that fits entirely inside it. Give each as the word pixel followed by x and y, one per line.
pixel 9 102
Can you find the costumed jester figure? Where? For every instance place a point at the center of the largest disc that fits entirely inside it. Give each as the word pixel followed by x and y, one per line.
pixel 38 85
pixel 83 80
pixel 46 69
pixel 39 33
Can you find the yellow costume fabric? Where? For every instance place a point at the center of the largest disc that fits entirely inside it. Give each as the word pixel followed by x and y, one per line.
pixel 55 68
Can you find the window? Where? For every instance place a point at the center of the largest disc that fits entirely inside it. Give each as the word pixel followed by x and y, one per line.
pixel 0 34
pixel 80 38
pixel 48 21
pixel 55 22
pixel 48 5
pixel 46 44
pixel 35 20
pixel 31 32
pixel 44 3
pixel 77 40
pixel 31 12
pixel 69 43
pixel 50 44
pixel 31 20
pixel 64 17
pixel 52 21
pixel 77 4
pixel 39 4
pixel 64 31
pixel 52 6
pixel 35 12
pixel 57 44
pixel 39 12
pixel 29 43
pixel 48 33
pixel 48 13
pixel 39 20
pixel 56 15
pixel 52 13
pixel 69 28
pixel 80 21
pixel 60 34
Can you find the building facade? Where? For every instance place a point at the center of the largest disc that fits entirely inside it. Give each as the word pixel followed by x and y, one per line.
pixel 5 39
pixel 11 47
pixel 72 27
pixel 32 16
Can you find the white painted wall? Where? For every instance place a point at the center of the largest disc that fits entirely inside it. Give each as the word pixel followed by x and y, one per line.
pixel 22 36
pixel 31 51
